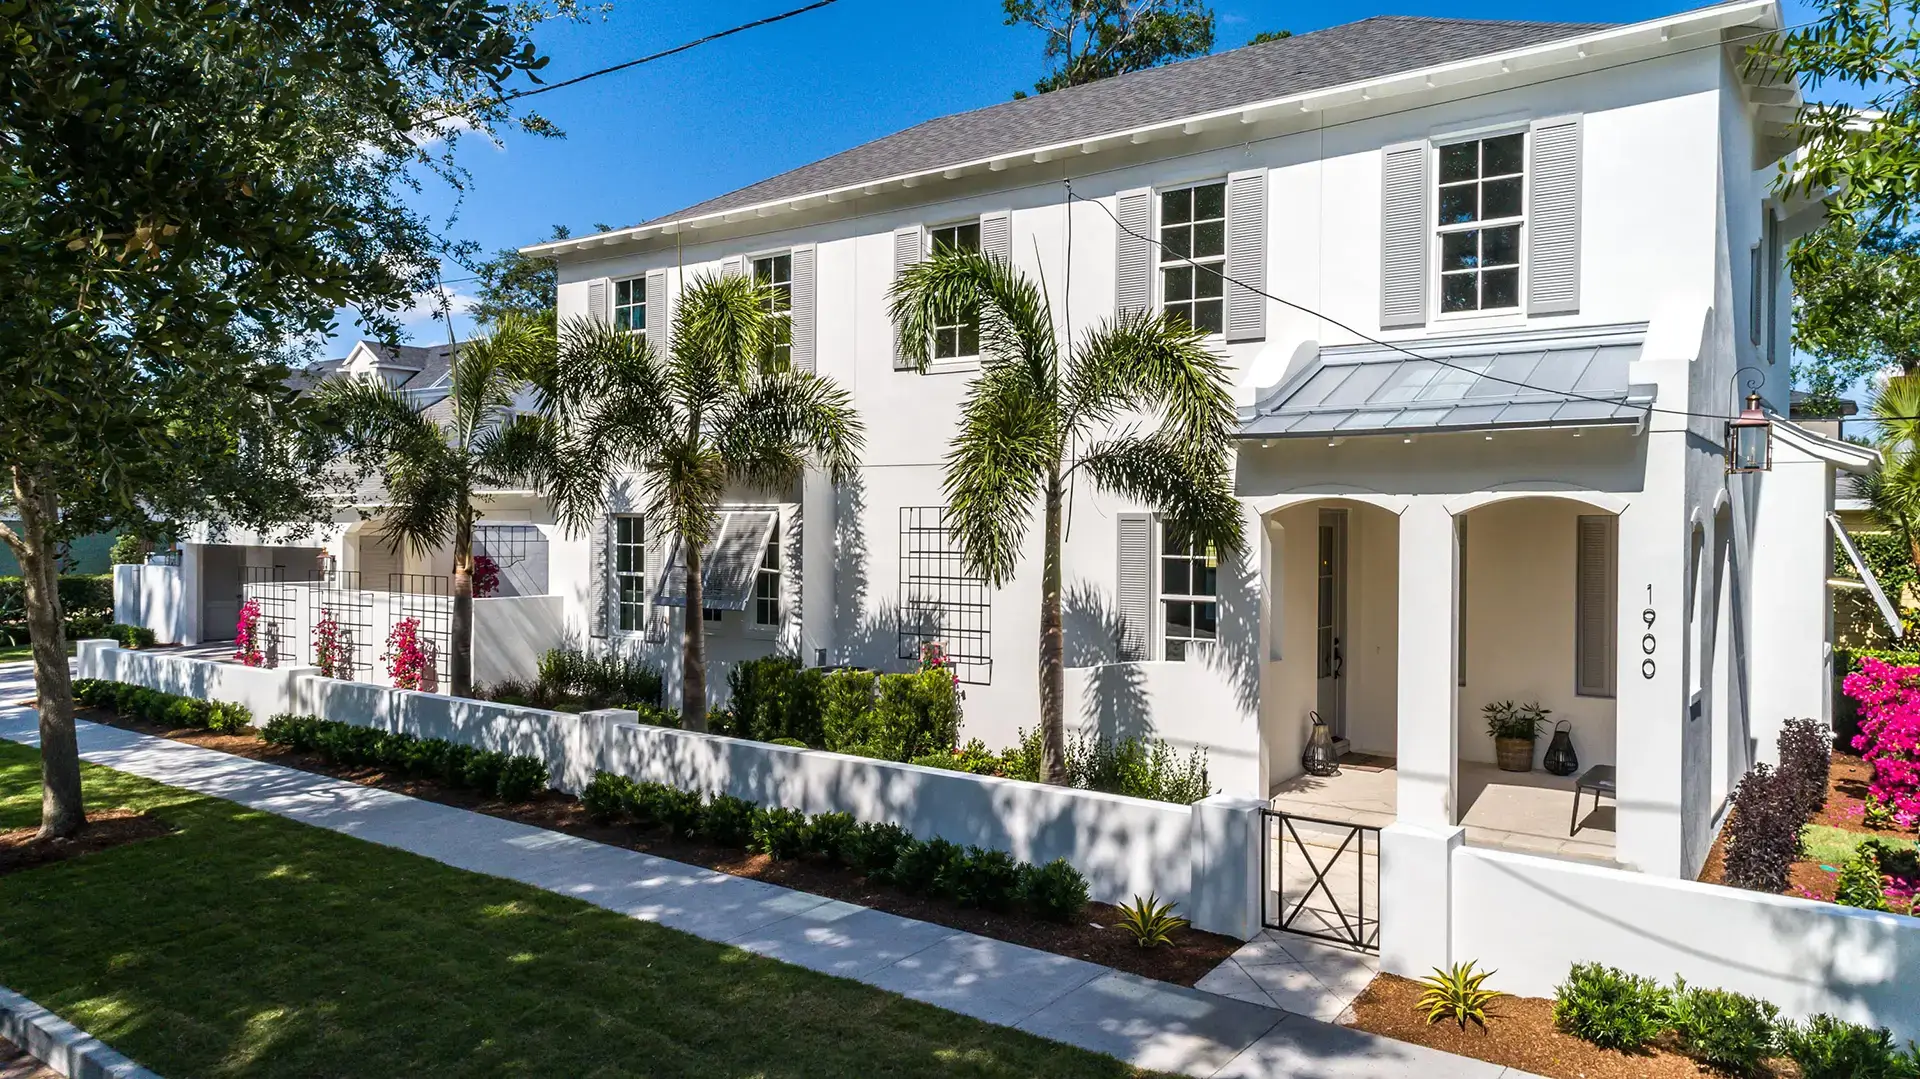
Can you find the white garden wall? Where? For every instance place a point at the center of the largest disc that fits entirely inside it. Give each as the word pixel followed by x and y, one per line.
pixel 1532 918
pixel 151 596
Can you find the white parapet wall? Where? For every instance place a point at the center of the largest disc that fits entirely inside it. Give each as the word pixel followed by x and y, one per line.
pixel 151 596
pixel 1198 705
pixel 1124 846
pixel 1531 918
pixel 511 633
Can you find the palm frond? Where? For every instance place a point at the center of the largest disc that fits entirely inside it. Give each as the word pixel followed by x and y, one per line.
pixel 1189 485
pixel 1150 363
pixel 784 420
pixel 1016 322
pixel 516 453
pixel 722 328
pixel 1896 412
pixel 426 486
pixel 607 401
pixel 374 420
pixel 997 467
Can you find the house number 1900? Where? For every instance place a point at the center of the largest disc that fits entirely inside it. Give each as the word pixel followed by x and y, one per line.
pixel 1647 642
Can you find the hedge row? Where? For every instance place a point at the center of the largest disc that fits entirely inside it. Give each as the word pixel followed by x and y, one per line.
pixel 510 778
pixel 883 853
pixel 80 594
pixel 1771 805
pixel 167 708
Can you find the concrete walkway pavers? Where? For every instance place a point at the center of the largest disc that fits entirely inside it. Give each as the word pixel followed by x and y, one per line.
pixel 1293 973
pixel 1151 1024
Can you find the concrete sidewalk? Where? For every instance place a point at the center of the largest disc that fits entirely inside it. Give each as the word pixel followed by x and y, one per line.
pixel 1151 1024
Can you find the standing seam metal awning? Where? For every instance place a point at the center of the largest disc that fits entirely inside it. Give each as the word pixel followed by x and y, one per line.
pixel 1566 378
pixel 728 563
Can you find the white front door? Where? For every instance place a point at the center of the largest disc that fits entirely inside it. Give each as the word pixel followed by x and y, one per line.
pixel 1330 624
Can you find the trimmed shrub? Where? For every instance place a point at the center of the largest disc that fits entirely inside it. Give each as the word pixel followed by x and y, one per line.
pixel 681 811
pixel 127 636
pixel 874 850
pixel 454 763
pixel 605 797
pixel 655 716
pixel 846 702
pixel 298 733
pixel 1862 883
pixel 184 712
pixel 833 835
pixel 425 756
pixel 228 717
pixel 1763 836
pixel 774 698
pixel 1806 755
pixel 522 777
pixel 781 833
pixel 1055 891
pixel 727 821
pixel 1610 1008
pixel 973 758
pixel 1829 1048
pixel 608 680
pixel 483 771
pixel 927 868
pixel 984 878
pixel 1729 1031
pixel 642 802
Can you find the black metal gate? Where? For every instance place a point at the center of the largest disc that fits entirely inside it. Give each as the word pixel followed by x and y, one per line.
pixel 1322 879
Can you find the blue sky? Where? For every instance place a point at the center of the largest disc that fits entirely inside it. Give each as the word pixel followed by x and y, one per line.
pixel 662 136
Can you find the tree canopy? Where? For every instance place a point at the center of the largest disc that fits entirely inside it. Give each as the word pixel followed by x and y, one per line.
pixel 1858 291
pixel 513 284
pixel 1089 40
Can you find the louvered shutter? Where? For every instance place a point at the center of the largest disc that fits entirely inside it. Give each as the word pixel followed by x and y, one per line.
pixel 908 248
pixel 1134 595
pixel 1594 647
pixel 1247 255
pixel 996 235
pixel 803 308
pixel 1133 259
pixel 655 555
pixel 600 596
pixel 1403 235
pixel 733 266
pixel 657 316
pixel 1553 217
pixel 597 309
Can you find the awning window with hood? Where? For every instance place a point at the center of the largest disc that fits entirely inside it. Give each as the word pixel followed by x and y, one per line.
pixel 728 562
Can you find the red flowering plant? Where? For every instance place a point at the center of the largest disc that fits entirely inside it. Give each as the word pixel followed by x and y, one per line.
pixel 409 657
pixel 933 657
pixel 248 636
pixel 332 649
pixel 486 576
pixel 1889 738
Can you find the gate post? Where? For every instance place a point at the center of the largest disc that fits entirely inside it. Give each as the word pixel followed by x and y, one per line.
pixel 1416 897
pixel 1225 895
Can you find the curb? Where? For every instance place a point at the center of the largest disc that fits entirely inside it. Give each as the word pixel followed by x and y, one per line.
pixel 60 1045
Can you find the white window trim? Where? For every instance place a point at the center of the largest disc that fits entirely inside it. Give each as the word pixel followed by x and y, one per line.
pixel 1158 263
pixel 748 621
pixel 747 263
pixel 1158 597
pixel 614 306
pixel 952 364
pixel 619 606
pixel 1517 314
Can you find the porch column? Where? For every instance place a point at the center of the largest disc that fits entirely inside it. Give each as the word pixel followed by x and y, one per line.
pixel 1428 729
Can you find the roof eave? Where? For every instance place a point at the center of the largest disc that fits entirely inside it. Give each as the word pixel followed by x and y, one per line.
pixel 1420 80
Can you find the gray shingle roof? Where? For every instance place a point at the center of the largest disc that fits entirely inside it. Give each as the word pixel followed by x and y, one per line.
pixel 1352 52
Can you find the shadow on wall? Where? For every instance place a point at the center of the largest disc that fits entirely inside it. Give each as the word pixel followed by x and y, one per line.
pixel 1116 703
pixel 862 639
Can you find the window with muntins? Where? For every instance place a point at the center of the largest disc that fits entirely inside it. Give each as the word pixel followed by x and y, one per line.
pixel 1189 590
pixel 766 583
pixel 777 271
pixel 1482 208
pixel 962 338
pixel 630 572
pixel 630 305
pixel 1193 255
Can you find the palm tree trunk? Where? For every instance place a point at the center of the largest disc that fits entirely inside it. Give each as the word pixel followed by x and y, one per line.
pixel 62 813
pixel 1053 676
pixel 460 663
pixel 693 646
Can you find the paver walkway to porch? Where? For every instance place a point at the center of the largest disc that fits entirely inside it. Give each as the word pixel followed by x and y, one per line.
pixel 1152 1024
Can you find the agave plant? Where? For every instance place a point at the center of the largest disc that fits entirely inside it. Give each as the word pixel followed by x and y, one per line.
pixel 1458 993
pixel 1149 921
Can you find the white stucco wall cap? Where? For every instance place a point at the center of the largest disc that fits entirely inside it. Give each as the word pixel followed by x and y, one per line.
pixel 1846 455
pixel 1604 501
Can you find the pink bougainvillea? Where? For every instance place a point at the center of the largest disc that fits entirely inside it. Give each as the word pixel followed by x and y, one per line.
pixel 486 576
pixel 1889 737
pixel 332 647
pixel 248 636
pixel 409 657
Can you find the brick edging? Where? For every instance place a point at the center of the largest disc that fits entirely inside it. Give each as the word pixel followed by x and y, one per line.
pixel 60 1045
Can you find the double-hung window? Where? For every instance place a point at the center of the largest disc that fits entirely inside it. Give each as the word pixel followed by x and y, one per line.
pixel 1482 196
pixel 766 583
pixel 630 571
pixel 1193 255
pixel 1189 590
pixel 630 305
pixel 776 272
pixel 955 340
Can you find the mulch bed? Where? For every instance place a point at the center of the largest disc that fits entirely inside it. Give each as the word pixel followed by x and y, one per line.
pixel 1519 1034
pixel 24 849
pixel 1192 954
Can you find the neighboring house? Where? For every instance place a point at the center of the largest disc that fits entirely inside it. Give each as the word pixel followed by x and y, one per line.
pixel 1564 233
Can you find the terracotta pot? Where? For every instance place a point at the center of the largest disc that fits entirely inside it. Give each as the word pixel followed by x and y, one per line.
pixel 1514 754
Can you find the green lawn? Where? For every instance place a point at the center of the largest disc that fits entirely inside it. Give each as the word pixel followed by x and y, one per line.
pixel 19 652
pixel 244 944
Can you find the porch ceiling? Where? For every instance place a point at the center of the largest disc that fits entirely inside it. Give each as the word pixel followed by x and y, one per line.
pixel 1561 378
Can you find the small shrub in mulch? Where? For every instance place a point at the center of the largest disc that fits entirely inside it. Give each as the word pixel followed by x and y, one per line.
pixel 106 828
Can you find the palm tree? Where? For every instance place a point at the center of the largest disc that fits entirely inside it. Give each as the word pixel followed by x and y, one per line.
pixel 1138 407
pixel 436 472
pixel 1892 489
pixel 718 411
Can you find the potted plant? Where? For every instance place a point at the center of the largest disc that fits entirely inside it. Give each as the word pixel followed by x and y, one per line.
pixel 1515 727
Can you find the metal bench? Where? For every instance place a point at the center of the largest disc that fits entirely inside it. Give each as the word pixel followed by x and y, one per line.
pixel 1599 780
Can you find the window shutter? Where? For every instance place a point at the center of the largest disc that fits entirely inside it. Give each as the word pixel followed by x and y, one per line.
pixel 996 235
pixel 1594 658
pixel 1133 263
pixel 597 307
pixel 1553 217
pixel 908 248
pixel 657 317
pixel 733 266
pixel 1403 235
pixel 1247 255
pixel 600 594
pixel 1134 595
pixel 803 308
pixel 655 565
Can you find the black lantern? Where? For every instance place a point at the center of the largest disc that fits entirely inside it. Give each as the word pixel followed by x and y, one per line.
pixel 1319 758
pixel 1750 439
pixel 1561 760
